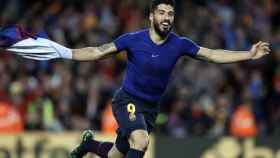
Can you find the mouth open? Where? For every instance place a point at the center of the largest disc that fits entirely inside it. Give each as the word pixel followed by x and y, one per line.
pixel 165 25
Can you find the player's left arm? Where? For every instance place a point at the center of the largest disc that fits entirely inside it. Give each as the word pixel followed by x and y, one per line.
pixel 257 51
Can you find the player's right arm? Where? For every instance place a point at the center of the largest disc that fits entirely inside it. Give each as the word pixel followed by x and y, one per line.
pixel 94 53
pixel 42 48
pixel 45 49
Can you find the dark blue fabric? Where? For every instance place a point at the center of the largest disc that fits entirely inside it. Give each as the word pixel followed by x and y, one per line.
pixel 10 35
pixel 99 148
pixel 122 144
pixel 132 153
pixel 145 114
pixel 149 65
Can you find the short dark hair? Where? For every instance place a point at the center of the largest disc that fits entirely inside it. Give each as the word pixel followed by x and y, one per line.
pixel 155 3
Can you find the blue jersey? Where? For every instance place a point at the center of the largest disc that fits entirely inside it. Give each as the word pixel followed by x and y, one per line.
pixel 149 65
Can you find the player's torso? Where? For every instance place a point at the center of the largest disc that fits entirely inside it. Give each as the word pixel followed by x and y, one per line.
pixel 152 59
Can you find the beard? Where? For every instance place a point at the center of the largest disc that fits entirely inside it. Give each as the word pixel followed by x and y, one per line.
pixel 163 31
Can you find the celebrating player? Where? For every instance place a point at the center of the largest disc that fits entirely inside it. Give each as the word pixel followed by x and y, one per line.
pixel 152 54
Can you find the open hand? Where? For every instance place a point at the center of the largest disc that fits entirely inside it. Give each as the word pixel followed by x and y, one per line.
pixel 259 50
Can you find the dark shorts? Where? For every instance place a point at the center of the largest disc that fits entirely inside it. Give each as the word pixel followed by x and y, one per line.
pixel 132 113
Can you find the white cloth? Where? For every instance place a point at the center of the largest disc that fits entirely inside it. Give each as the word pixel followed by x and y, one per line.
pixel 40 49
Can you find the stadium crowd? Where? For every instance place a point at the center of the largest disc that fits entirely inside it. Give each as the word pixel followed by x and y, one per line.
pixel 202 97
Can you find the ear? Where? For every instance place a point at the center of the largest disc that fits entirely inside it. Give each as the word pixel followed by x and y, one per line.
pixel 151 16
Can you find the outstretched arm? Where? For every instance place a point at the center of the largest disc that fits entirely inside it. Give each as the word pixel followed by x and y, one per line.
pixel 19 41
pixel 94 53
pixel 257 51
pixel 45 49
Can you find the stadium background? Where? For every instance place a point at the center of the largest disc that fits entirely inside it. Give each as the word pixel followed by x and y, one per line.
pixel 55 100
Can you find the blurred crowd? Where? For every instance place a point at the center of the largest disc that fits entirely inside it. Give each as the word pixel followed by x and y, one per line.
pixel 202 98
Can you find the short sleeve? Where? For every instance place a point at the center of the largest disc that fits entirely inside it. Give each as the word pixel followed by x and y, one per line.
pixel 122 42
pixel 188 47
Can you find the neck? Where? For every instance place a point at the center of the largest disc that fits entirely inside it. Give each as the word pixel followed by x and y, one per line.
pixel 155 37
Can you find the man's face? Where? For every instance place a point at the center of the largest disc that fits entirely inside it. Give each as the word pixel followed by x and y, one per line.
pixel 162 18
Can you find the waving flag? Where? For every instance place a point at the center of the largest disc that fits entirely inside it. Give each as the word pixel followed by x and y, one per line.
pixel 12 34
pixel 32 46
